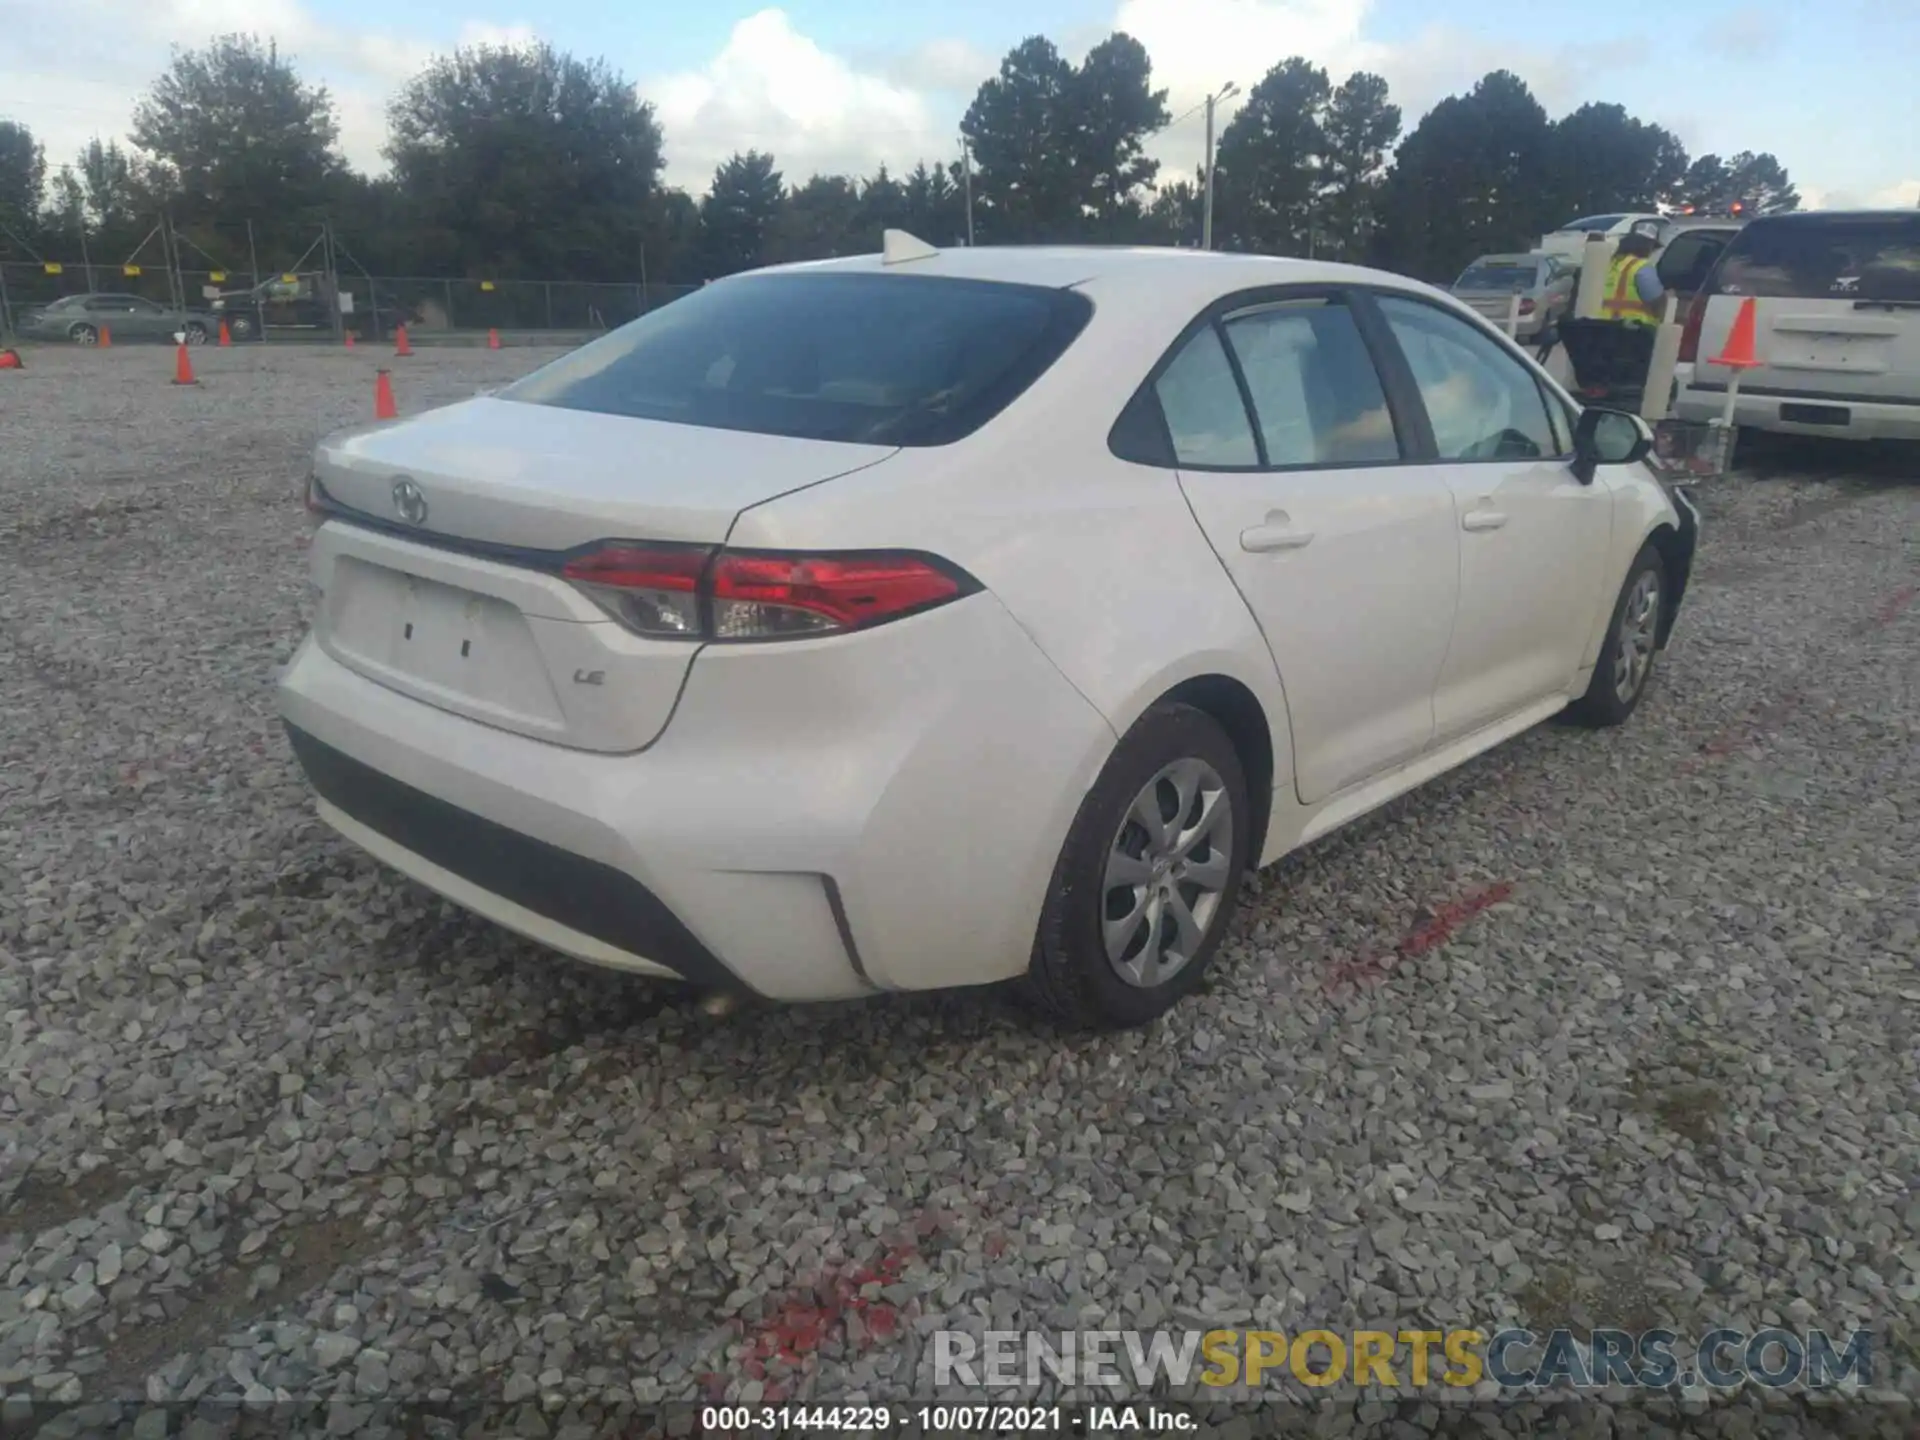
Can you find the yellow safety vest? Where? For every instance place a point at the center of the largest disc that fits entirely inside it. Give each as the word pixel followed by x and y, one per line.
pixel 1622 300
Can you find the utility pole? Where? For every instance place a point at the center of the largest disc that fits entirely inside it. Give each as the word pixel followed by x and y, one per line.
pixel 1206 211
pixel 333 281
pixel 966 178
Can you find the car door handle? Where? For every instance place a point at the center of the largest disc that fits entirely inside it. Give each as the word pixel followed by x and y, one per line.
pixel 1277 534
pixel 1483 520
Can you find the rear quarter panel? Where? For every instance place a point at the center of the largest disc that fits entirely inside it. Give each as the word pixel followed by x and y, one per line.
pixel 1099 560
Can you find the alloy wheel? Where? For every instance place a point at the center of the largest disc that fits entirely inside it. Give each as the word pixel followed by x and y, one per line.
pixel 1167 873
pixel 1639 626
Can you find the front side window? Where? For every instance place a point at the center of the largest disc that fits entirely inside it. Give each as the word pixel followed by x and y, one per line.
pixel 1206 418
pixel 1482 402
pixel 1684 264
pixel 1315 393
pixel 864 358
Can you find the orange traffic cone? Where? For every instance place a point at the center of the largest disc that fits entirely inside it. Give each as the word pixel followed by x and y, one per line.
pixel 225 338
pixel 349 339
pixel 106 337
pixel 383 406
pixel 10 360
pixel 400 345
pixel 182 367
pixel 493 339
pixel 1739 352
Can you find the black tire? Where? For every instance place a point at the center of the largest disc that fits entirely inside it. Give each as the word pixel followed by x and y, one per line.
pixel 195 332
pixel 1070 976
pixel 240 327
pixel 1605 704
pixel 83 334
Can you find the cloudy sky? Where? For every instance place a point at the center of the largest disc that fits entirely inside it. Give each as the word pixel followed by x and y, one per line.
pixel 840 85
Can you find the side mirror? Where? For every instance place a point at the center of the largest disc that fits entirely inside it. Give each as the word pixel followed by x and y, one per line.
pixel 1608 437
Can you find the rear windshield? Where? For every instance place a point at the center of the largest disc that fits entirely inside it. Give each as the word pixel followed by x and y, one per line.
pixel 881 359
pixel 1497 277
pixel 1868 257
pixel 1592 223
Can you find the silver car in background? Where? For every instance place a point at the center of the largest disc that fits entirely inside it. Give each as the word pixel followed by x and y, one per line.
pixel 1543 283
pixel 80 319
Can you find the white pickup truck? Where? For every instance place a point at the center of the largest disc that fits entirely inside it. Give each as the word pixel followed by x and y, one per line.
pixel 1569 242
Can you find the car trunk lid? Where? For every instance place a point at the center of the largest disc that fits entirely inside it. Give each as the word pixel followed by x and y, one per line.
pixel 448 589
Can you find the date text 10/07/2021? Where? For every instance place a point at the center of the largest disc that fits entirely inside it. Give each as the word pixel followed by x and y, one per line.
pixel 945 1419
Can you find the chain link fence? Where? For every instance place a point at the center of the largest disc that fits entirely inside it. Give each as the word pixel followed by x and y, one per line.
pixel 297 304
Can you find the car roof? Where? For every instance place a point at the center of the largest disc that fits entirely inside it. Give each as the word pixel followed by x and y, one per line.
pixel 1815 217
pixel 1149 269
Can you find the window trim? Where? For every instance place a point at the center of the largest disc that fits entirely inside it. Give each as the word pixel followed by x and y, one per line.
pixel 1403 407
pixel 1478 322
pixel 1404 403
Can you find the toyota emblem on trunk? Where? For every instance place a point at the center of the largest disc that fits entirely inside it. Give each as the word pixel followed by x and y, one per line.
pixel 409 502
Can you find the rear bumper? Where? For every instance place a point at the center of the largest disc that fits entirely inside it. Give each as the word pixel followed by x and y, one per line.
pixel 1792 412
pixel 821 819
pixel 514 879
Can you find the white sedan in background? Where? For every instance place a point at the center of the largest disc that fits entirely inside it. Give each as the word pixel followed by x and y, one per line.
pixel 943 618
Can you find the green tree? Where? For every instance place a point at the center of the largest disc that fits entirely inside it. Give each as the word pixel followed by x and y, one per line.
pixel 670 238
pixel 233 134
pixel 1268 168
pixel 103 196
pixel 1760 182
pixel 1357 130
pixel 1473 176
pixel 817 220
pixel 739 213
pixel 23 174
pixel 1605 161
pixel 1704 186
pixel 1115 109
pixel 1058 151
pixel 1173 216
pixel 1020 127
pixel 526 160
pixel 934 204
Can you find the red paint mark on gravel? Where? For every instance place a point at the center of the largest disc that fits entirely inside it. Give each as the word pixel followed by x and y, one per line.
pixel 1746 733
pixel 805 1318
pixel 1895 605
pixel 1366 971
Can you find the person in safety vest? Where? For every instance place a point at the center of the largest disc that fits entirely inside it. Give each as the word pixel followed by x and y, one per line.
pixel 1633 290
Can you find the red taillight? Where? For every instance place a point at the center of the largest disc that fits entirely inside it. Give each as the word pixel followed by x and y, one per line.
pixel 1690 331
pixel 689 592
pixel 652 589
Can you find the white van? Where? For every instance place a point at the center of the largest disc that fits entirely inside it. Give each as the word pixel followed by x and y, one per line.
pixel 1837 326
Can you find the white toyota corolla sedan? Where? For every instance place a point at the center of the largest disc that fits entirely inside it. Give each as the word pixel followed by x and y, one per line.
pixel 938 618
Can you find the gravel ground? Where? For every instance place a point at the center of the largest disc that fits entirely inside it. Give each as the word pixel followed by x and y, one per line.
pixel 1602 1029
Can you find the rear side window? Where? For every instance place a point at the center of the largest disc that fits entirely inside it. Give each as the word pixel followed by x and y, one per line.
pixel 867 358
pixel 1315 393
pixel 1842 257
pixel 1206 418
